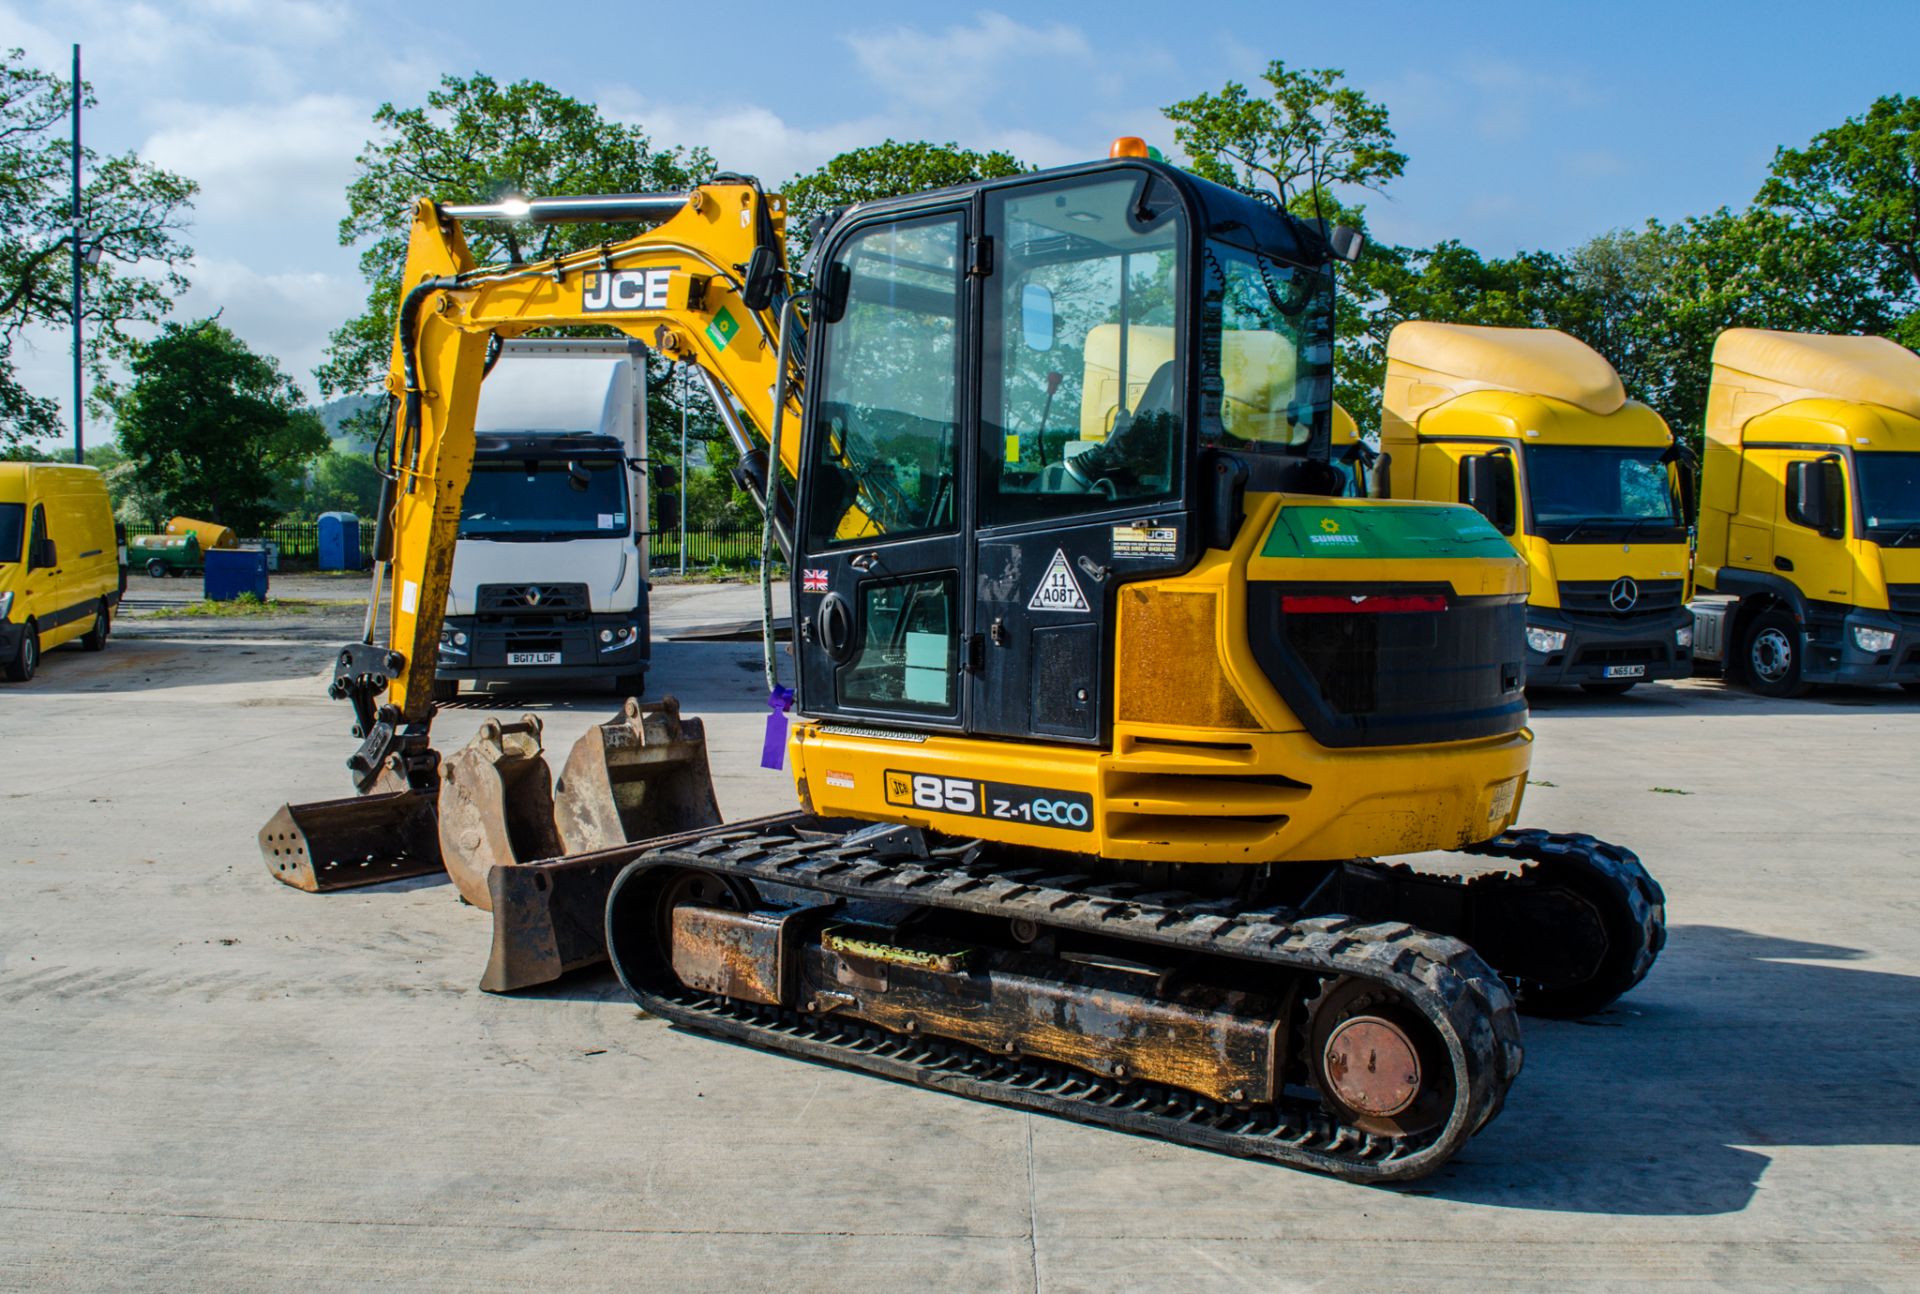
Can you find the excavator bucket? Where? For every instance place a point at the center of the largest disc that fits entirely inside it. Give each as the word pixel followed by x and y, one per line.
pixel 496 806
pixel 641 775
pixel 361 840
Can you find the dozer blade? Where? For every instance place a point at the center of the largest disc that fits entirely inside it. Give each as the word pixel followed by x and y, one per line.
pixel 362 840
pixel 642 775
pixel 496 806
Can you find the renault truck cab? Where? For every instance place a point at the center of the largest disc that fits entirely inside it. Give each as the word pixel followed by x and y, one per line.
pixel 59 563
pixel 1533 429
pixel 1809 560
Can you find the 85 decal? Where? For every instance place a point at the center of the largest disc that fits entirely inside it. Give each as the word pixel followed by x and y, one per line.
pixel 1041 806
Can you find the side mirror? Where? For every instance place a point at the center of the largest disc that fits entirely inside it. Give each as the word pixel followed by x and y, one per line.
pixel 1036 317
pixel 833 297
pixel 1486 486
pixel 578 478
pixel 665 476
pixel 1380 477
pixel 665 512
pixel 1816 496
pixel 1686 483
pixel 763 279
pixel 1347 243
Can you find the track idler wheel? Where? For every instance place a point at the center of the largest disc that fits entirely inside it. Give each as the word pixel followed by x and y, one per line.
pixel 1376 1061
pixel 496 806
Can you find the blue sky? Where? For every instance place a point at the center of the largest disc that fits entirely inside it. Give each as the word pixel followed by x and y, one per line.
pixel 1527 125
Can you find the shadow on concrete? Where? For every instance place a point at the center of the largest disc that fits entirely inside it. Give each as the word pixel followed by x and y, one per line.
pixel 1665 1104
pixel 147 665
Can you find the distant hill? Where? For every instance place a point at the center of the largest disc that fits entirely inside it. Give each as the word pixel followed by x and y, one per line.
pixel 334 413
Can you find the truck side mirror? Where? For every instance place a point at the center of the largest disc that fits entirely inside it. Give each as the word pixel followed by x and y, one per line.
pixel 665 510
pixel 1687 482
pixel 763 277
pixel 579 479
pixel 665 476
pixel 1486 486
pixel 1816 495
pixel 1380 477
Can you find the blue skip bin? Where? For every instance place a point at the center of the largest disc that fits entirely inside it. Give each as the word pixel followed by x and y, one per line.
pixel 339 541
pixel 233 571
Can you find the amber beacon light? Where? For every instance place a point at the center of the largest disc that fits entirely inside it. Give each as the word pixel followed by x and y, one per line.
pixel 1128 146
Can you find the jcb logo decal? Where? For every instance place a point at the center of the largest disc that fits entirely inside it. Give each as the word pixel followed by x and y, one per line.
pixel 626 289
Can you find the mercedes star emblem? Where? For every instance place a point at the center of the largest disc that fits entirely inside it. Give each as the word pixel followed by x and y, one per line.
pixel 1624 594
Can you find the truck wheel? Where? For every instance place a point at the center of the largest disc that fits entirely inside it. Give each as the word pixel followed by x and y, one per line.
pixel 95 639
pixel 445 690
pixel 1771 653
pixel 1613 687
pixel 26 657
pixel 157 569
pixel 634 684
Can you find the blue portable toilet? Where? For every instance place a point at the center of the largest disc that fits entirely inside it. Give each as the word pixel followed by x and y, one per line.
pixel 233 571
pixel 339 541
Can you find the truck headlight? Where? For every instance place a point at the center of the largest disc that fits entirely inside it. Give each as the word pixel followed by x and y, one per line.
pixel 6 604
pixel 1872 640
pixel 1683 636
pixel 1545 640
pixel 606 635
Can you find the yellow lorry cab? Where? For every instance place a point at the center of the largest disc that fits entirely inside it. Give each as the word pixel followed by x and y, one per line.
pixel 1533 428
pixel 59 563
pixel 1809 552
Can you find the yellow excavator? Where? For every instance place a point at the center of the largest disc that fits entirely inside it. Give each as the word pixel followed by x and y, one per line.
pixel 1105 698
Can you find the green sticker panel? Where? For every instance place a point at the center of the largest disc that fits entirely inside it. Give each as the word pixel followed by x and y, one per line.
pixel 1316 530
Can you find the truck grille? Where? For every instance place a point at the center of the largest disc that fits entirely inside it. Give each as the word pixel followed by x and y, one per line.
pixel 1904 599
pixel 1637 654
pixel 1596 598
pixel 526 602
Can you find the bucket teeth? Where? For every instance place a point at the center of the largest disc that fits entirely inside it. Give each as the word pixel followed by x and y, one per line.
pixel 361 840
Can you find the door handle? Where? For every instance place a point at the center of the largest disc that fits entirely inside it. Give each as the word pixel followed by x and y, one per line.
pixel 1783 563
pixel 835 619
pixel 864 562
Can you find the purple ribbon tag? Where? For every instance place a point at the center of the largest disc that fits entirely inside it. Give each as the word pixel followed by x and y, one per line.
pixel 773 751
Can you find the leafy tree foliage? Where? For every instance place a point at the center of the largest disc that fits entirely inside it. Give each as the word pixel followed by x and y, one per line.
pixel 214 429
pixel 1313 132
pixel 887 170
pixel 342 481
pixel 136 213
pixel 475 140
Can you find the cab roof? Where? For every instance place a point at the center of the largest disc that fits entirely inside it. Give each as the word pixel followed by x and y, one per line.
pixel 1811 366
pixel 1527 361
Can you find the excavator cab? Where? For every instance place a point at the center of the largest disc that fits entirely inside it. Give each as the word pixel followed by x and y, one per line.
pixel 1022 394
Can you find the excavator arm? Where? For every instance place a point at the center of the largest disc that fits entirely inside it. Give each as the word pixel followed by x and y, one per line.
pixel 705 285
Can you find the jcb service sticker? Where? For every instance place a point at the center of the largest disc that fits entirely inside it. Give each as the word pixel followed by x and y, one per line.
pixel 1040 805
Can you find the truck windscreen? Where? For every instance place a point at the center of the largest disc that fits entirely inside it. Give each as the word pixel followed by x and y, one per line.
pixel 1601 494
pixel 13 525
pixel 533 500
pixel 1889 499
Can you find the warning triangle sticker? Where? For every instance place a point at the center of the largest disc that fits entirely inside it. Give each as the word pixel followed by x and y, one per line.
pixel 1058 590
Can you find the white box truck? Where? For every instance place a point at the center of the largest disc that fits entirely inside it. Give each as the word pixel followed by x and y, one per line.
pixel 550 573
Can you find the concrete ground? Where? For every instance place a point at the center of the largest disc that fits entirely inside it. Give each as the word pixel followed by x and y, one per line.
pixel 211 1081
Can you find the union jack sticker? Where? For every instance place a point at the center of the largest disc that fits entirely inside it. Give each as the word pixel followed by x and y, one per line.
pixel 813 581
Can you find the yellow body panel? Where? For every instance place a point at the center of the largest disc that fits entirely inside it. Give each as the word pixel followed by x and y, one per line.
pixel 1250 787
pixel 58 599
pixel 1781 398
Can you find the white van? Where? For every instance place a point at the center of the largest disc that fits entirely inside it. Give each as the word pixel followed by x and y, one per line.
pixel 59 563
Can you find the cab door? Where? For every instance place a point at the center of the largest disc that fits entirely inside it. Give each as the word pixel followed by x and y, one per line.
pixel 880 564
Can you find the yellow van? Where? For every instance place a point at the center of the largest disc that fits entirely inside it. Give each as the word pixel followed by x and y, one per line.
pixel 59 563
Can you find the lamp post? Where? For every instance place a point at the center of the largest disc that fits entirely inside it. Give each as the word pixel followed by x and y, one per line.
pixel 79 261
pixel 683 469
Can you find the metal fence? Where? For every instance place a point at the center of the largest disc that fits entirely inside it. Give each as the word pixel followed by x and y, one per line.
pixel 708 548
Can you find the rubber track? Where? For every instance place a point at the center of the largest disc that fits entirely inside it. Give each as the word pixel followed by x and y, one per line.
pixel 1442 977
pixel 1621 866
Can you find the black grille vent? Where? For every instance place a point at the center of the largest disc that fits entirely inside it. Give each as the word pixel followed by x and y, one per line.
pixel 533 599
pixel 1904 598
pixel 1598 598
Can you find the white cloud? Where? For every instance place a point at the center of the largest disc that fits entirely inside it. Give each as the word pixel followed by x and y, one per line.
pixel 285 314
pixel 259 162
pixel 963 64
pixel 749 138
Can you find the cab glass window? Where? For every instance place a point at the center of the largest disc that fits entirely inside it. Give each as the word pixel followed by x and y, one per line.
pixel 13 526
pixel 37 538
pixel 1266 355
pixel 1083 382
pixel 1600 493
pixel 885 442
pixel 908 639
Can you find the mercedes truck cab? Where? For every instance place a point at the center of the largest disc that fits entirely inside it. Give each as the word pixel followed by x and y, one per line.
pixel 60 575
pixel 1533 429
pixel 1809 554
pixel 550 571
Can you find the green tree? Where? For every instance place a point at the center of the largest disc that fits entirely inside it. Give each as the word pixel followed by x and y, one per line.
pixel 1312 133
pixel 214 429
pixel 475 140
pixel 1856 188
pixel 887 170
pixel 341 481
pixel 134 211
